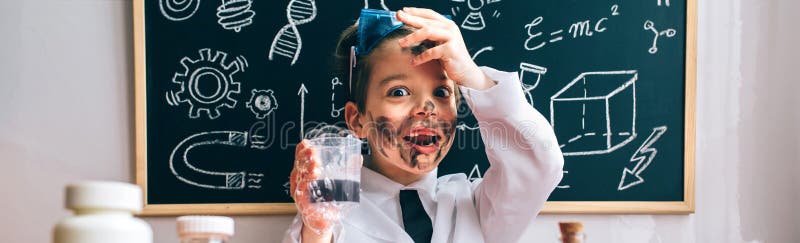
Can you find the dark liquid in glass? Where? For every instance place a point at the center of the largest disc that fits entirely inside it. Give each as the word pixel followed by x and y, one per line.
pixel 334 190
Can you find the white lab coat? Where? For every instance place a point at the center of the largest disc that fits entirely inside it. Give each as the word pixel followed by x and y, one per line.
pixel 526 165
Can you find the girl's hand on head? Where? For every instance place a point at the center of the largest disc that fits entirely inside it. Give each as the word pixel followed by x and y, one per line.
pixel 317 218
pixel 450 49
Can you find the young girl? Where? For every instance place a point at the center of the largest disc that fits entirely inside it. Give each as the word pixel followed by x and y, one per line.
pixel 403 93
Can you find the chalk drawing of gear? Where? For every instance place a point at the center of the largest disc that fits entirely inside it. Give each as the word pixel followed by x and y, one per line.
pixel 262 103
pixel 181 167
pixel 215 75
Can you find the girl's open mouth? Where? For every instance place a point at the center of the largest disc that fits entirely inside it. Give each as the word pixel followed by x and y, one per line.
pixel 424 140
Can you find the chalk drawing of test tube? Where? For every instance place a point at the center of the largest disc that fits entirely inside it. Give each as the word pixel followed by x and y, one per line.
pixel 287 42
pixel 190 174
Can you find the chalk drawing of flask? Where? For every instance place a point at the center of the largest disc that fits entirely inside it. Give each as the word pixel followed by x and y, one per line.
pixel 287 42
pixel 529 76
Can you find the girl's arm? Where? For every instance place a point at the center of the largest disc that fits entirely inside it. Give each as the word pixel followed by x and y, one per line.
pixel 526 161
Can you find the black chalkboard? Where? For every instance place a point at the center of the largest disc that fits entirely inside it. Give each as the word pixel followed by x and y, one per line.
pixel 223 86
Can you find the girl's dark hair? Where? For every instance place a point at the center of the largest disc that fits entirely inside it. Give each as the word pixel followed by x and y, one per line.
pixel 363 68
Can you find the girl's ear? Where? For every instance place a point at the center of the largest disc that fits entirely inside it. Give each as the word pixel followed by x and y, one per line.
pixel 355 120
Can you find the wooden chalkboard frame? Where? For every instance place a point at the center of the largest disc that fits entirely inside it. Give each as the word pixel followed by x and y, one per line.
pixel 562 207
pixel 657 207
pixel 140 101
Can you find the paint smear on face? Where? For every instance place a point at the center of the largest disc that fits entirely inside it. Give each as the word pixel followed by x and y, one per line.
pixel 392 137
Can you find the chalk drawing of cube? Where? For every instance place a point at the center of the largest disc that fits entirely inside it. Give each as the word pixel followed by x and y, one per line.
pixel 595 113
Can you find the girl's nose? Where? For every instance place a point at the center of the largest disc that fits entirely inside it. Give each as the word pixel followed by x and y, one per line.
pixel 427 108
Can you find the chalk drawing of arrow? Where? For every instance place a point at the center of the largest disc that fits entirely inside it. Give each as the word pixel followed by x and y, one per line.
pixel 302 93
pixel 643 157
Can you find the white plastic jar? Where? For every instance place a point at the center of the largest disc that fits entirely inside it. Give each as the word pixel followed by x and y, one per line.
pixel 103 213
pixel 205 229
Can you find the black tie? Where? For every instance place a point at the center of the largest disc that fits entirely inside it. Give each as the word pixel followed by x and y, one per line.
pixel 417 223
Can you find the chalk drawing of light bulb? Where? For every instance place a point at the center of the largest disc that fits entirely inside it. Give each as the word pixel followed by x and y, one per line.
pixel 235 14
pixel 529 76
pixel 178 10
pixel 287 42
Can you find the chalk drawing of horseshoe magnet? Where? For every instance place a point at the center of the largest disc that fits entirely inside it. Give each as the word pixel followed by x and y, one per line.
pixel 188 173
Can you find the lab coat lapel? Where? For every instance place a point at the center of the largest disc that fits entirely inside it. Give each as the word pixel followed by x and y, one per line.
pixel 456 218
pixel 370 220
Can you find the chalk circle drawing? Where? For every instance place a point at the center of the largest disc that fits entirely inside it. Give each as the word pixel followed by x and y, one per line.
pixel 185 171
pixel 475 174
pixel 335 112
pixel 474 20
pixel 287 42
pixel 207 83
pixel 529 76
pixel 178 10
pixel 642 157
pixel 582 112
pixel 669 33
pixel 262 102
pixel 235 14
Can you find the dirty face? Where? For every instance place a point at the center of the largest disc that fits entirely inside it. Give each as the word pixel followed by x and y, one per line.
pixel 410 111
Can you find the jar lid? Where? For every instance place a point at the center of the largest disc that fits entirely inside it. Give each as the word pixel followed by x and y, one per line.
pixel 205 225
pixel 104 195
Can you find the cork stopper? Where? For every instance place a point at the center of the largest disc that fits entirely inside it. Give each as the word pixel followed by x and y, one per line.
pixel 571 232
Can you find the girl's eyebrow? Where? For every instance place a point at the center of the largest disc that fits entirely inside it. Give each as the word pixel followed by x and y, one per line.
pixel 399 76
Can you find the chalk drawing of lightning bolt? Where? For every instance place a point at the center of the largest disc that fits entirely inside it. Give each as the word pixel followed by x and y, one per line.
pixel 464 127
pixel 643 157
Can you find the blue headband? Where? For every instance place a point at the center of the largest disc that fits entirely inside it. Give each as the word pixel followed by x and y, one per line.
pixel 373 26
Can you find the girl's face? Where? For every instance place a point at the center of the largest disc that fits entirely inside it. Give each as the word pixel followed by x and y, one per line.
pixel 410 111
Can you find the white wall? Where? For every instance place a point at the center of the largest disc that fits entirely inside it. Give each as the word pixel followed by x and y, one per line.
pixel 66 114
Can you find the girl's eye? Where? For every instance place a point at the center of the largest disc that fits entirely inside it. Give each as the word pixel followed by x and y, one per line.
pixel 442 92
pixel 399 92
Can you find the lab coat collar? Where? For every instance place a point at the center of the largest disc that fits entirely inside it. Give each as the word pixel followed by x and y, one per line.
pixel 381 188
pixel 378 188
pixel 370 220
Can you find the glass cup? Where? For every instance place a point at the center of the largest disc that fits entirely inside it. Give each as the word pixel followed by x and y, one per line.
pixel 338 153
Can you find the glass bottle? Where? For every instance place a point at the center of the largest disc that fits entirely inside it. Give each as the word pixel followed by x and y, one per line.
pixel 205 229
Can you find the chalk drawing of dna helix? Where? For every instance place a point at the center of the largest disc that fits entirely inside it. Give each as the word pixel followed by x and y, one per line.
pixel 287 42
